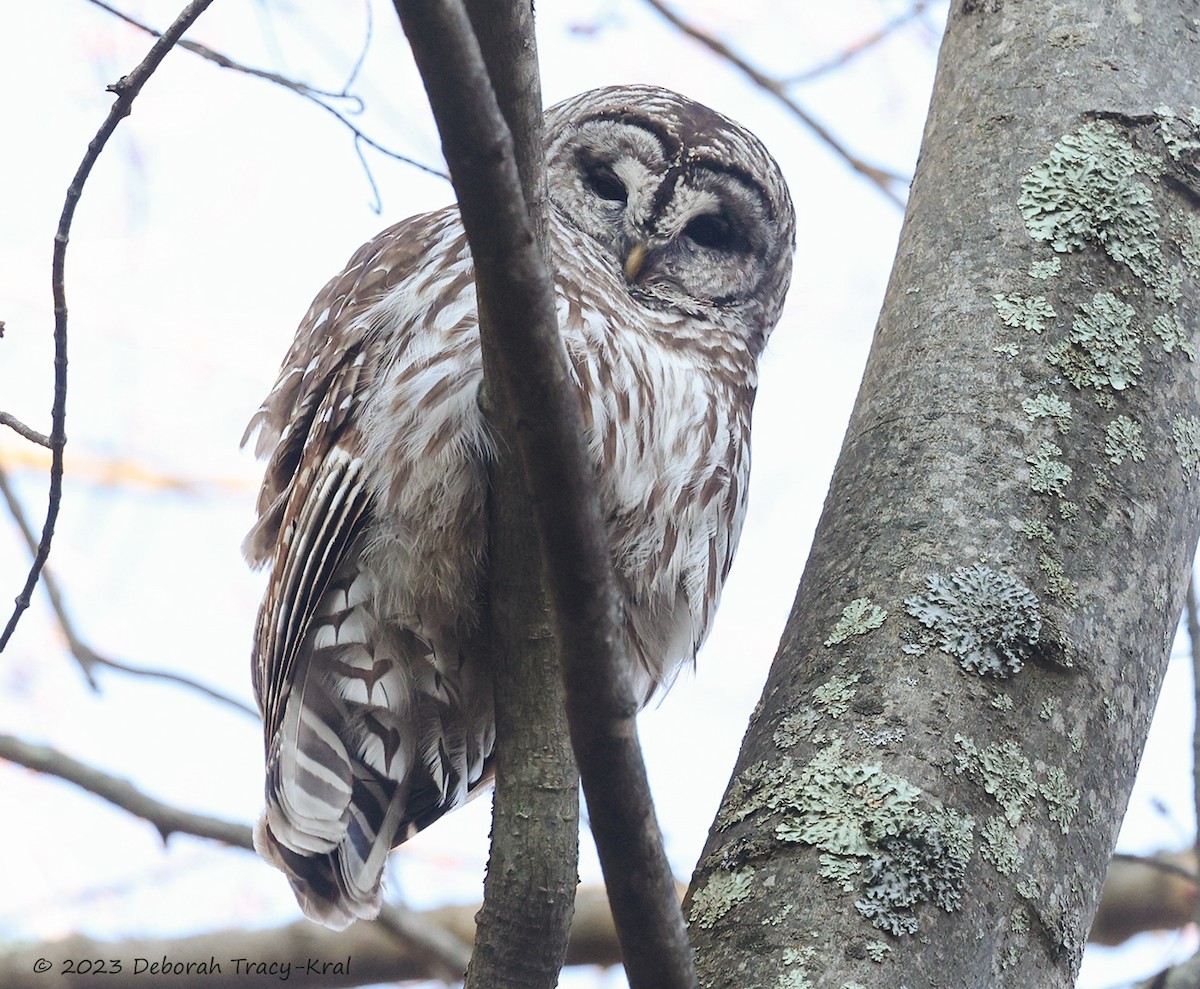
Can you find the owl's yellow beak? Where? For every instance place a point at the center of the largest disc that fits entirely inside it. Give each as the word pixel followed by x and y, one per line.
pixel 633 263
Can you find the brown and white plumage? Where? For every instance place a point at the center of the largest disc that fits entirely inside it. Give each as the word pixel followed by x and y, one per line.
pixel 672 231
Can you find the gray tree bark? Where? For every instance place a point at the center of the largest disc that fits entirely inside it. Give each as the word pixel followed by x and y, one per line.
pixel 930 788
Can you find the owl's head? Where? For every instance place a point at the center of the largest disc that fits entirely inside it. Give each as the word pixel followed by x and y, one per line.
pixel 690 206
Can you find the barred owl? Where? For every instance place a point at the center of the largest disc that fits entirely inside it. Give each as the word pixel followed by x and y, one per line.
pixel 672 231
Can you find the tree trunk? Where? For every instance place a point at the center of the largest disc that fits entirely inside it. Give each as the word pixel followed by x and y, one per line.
pixel 930 788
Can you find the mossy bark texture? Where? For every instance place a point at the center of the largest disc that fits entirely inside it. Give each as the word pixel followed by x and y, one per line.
pixel 931 785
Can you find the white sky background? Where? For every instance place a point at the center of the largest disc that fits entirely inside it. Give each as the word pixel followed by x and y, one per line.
pixel 219 209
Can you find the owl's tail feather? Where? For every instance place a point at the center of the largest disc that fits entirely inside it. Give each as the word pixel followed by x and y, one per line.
pixel 340 886
pixel 330 819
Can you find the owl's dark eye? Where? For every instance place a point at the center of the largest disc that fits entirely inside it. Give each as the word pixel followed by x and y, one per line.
pixel 712 231
pixel 604 183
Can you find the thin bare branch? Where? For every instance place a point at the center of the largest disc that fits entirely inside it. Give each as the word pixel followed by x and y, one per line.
pixel 886 181
pixel 167 820
pixel 87 658
pixel 126 89
pixel 316 96
pixel 374 955
pixel 529 374
pixel 1159 864
pixel 41 439
pixel 865 43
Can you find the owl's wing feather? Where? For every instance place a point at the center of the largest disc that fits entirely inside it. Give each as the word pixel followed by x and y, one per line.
pixel 376 721
pixel 324 807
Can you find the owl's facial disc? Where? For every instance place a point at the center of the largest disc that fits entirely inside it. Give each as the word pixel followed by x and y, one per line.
pixel 684 231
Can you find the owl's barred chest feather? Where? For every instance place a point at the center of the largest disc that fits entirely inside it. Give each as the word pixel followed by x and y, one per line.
pixel 667 436
pixel 671 230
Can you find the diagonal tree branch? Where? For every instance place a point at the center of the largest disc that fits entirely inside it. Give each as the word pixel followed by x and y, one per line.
pixel 166 819
pixel 126 89
pixel 87 658
pixel 531 374
pixel 41 439
pixel 864 44
pixel 883 179
pixel 316 96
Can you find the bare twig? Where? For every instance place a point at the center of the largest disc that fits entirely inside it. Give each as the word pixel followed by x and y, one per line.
pixel 85 655
pixel 316 96
pixel 374 955
pixel 166 819
pixel 863 44
pixel 530 373
pixel 126 89
pixel 1161 865
pixel 884 180
pixel 41 439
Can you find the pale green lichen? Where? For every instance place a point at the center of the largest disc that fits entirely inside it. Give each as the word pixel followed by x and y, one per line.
pixel 871 830
pixel 1030 311
pixel 834 696
pixel 1009 350
pixel 720 894
pixel 1101 351
pixel 1049 709
pixel 877 951
pixel 1049 407
pixel 1057 581
pixel 998 845
pixel 1019 922
pixel 858 618
pixel 1186 430
pixel 1123 439
pixel 795 726
pixel 1061 798
pixel 1068 511
pixel 762 786
pixel 1189 244
pixel 1045 268
pixel 846 809
pixel 1012 955
pixel 925 864
pixel 1047 475
pixel 1179 134
pixel 880 737
pixel 794 968
pixel 1087 193
pixel 844 871
pixel 1075 737
pixel 1003 772
pixel 1002 702
pixel 780 916
pixel 1036 529
pixel 988 621
pixel 1168 329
